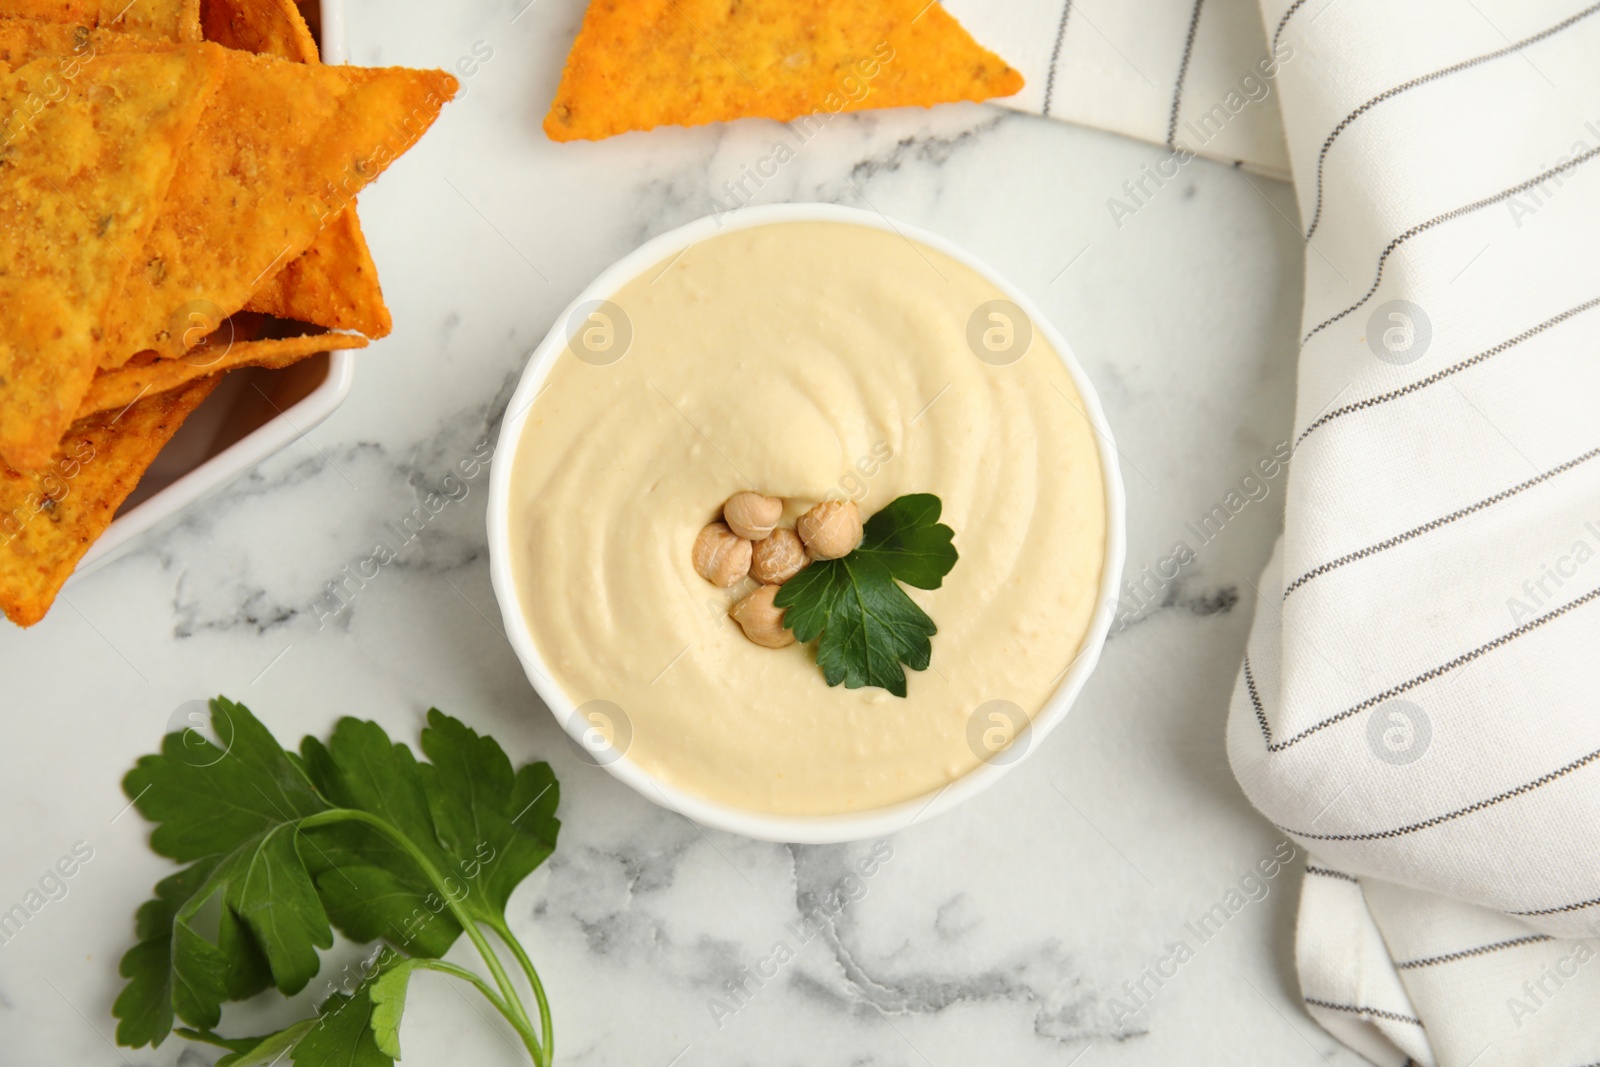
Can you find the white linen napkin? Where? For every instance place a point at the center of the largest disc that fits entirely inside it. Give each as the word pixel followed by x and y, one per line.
pixel 1420 706
pixel 1420 703
pixel 1189 74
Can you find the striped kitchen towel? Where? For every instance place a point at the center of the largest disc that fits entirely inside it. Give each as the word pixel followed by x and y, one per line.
pixel 1198 76
pixel 1420 702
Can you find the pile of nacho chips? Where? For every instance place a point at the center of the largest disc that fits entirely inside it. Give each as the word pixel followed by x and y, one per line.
pixel 638 64
pixel 177 200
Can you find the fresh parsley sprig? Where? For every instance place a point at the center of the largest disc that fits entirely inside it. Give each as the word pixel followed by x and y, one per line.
pixel 868 626
pixel 355 835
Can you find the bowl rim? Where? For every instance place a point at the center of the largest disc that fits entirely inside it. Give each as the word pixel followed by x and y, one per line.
pixel 800 829
pixel 221 469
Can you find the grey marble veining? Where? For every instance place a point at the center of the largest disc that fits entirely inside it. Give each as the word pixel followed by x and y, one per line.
pixel 1030 927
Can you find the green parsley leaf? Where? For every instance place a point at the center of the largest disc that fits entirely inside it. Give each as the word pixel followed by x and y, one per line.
pixel 908 538
pixel 265 1051
pixel 482 827
pixel 354 834
pixel 245 913
pixel 342 1034
pixel 205 800
pixel 146 1005
pixel 867 625
pixel 497 826
pixel 372 887
pixel 263 885
pixel 388 993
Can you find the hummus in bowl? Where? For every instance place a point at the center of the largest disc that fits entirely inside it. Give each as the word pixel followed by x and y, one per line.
pixel 811 353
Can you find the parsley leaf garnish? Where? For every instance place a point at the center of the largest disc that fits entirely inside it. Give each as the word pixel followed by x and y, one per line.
pixel 355 835
pixel 868 626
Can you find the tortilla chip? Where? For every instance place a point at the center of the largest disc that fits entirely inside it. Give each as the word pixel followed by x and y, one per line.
pixel 645 63
pixel 169 21
pixel 81 12
pixel 279 153
pixel 75 46
pixel 87 164
pixel 334 283
pixel 269 27
pixel 177 21
pixel 142 377
pixel 311 11
pixel 49 519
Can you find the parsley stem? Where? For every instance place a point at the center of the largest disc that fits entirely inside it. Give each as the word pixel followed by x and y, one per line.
pixel 501 927
pixel 468 925
pixel 523 1029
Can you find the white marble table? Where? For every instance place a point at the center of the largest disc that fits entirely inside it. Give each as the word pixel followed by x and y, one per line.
pixel 1002 933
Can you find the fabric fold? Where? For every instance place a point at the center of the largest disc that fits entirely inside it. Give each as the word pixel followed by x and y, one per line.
pixel 1195 75
pixel 1417 703
pixel 1417 706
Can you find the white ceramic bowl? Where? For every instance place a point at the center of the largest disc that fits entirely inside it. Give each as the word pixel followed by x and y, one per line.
pixel 805 829
pixel 251 415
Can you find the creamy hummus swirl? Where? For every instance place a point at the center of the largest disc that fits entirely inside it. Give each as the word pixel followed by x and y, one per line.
pixel 800 359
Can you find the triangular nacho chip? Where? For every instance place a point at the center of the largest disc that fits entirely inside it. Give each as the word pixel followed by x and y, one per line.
pixel 281 151
pixel 311 11
pixel 334 283
pixel 49 518
pixel 177 21
pixel 268 27
pixel 648 63
pixel 85 172
pixel 144 377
